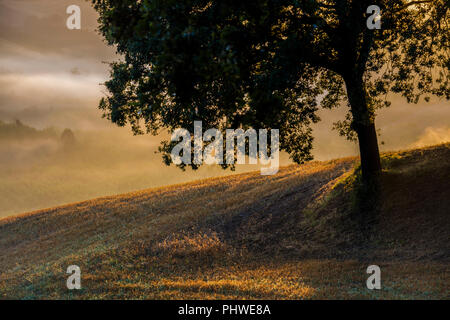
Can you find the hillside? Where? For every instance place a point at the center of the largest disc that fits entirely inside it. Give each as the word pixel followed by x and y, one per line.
pixel 299 234
pixel 52 167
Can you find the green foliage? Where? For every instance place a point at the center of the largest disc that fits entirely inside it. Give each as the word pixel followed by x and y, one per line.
pixel 268 64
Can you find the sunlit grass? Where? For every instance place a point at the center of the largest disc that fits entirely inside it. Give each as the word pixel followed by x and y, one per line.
pixel 244 236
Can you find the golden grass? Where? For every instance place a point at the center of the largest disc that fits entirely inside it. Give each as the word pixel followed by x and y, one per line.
pixel 244 236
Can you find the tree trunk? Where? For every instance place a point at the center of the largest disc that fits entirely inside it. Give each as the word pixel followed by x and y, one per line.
pixel 368 149
pixel 364 125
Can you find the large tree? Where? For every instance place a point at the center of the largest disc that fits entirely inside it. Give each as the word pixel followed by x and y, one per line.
pixel 271 64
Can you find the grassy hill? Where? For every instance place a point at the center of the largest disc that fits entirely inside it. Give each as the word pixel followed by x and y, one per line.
pixel 41 168
pixel 300 234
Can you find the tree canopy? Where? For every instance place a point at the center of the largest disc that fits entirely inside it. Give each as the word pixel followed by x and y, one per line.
pixel 271 64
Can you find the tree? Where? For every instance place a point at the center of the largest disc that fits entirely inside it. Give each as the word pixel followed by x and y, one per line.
pixel 271 64
pixel 68 139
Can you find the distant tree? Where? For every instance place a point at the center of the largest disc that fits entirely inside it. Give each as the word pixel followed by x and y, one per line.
pixel 18 130
pixel 271 64
pixel 68 139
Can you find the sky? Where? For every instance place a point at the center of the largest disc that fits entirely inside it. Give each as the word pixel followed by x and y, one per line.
pixel 51 76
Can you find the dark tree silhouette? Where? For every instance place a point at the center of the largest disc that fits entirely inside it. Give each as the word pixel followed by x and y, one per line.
pixel 271 64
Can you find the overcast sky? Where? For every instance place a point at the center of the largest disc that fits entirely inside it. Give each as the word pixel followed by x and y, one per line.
pixel 51 76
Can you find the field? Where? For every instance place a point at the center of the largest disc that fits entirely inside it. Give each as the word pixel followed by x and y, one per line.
pixel 38 171
pixel 300 234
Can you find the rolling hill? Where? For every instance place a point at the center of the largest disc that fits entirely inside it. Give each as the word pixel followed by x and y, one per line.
pixel 300 234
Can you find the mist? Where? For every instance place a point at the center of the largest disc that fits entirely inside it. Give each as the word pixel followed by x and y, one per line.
pixel 41 170
pixel 51 77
